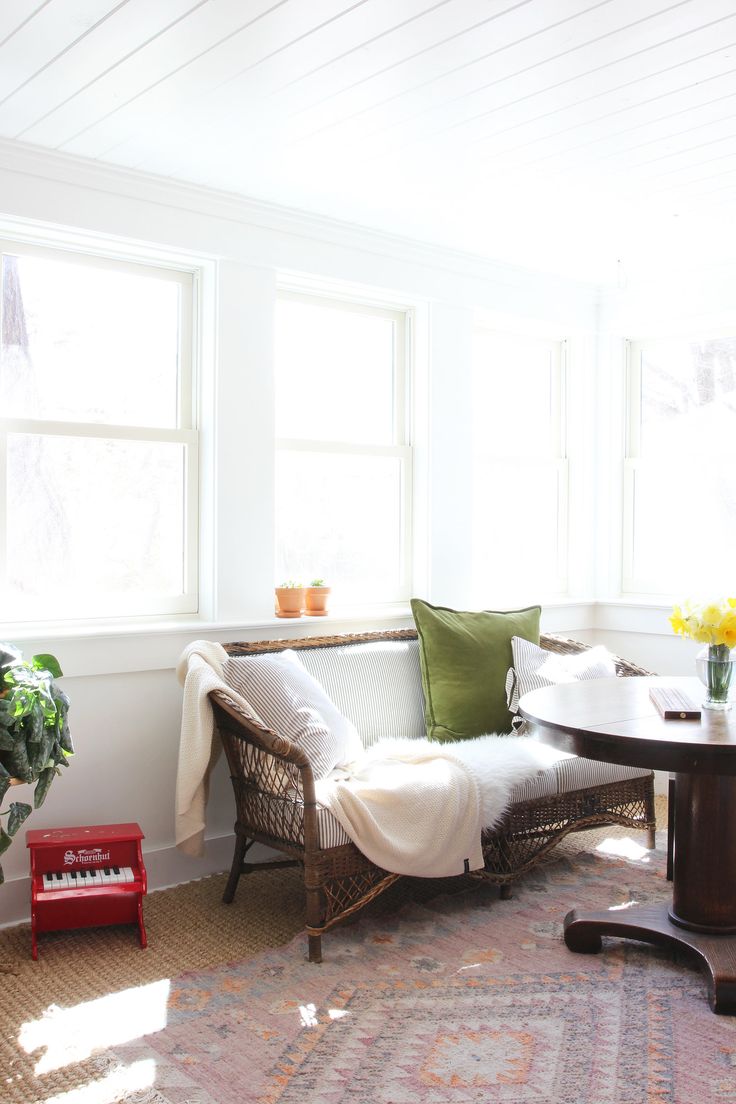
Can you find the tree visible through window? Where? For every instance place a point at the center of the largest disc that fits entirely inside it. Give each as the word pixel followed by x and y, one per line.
pixel 97 450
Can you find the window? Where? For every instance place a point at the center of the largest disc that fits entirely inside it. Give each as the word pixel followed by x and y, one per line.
pixel 519 491
pixel 343 463
pixel 98 455
pixel 679 478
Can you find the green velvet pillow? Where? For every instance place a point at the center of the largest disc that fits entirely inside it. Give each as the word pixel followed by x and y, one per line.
pixel 465 657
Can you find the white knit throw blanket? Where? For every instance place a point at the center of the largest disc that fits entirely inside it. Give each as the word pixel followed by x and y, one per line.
pixel 418 807
pixel 199 671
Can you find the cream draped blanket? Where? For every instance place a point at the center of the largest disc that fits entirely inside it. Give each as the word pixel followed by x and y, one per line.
pixel 199 671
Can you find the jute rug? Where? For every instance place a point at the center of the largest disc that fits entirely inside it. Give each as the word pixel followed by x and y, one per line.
pixel 442 993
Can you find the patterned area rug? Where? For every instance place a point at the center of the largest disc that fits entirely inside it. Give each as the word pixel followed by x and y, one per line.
pixel 460 998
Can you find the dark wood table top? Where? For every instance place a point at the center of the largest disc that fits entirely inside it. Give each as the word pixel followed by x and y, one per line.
pixel 614 720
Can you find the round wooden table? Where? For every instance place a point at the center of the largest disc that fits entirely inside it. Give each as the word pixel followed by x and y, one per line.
pixel 614 720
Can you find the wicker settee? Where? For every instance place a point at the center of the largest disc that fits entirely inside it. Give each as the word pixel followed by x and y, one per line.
pixel 276 805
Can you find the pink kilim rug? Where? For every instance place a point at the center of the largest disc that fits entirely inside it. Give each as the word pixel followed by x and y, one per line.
pixel 464 998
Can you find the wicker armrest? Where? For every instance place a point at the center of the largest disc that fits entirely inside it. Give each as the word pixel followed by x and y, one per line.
pixel 565 646
pixel 274 764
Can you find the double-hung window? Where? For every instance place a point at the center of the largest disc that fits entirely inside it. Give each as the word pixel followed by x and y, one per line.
pixel 343 460
pixel 98 452
pixel 519 469
pixel 679 475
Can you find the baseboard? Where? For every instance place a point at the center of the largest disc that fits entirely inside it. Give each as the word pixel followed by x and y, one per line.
pixel 165 866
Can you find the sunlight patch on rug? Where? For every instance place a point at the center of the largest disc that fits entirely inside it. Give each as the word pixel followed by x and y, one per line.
pixel 115 1086
pixel 70 1035
pixel 625 848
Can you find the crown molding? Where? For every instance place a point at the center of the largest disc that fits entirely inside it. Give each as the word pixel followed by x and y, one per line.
pixel 54 167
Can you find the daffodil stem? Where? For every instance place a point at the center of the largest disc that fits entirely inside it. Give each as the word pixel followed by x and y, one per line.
pixel 719 670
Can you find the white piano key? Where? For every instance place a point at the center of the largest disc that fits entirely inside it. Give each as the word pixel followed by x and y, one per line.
pixel 85 879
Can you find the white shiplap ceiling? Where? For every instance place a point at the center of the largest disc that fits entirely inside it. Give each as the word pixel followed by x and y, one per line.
pixel 557 134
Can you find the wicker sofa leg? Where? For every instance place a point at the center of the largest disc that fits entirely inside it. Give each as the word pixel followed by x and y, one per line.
pixel 506 891
pixel 315 948
pixel 241 846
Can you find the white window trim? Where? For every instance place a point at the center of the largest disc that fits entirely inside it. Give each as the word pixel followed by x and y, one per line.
pixel 401 449
pixel 25 614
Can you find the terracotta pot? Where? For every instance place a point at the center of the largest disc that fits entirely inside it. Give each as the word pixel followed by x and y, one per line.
pixel 289 601
pixel 316 601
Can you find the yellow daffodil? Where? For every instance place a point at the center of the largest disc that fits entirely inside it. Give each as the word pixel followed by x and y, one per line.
pixel 709 623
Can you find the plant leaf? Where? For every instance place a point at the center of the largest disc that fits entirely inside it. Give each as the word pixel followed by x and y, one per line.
pixel 5 840
pixel 45 778
pixel 9 655
pixel 18 764
pixel 19 811
pixel 7 740
pixel 46 662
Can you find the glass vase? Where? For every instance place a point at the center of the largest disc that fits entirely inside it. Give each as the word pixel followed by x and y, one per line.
pixel 715 670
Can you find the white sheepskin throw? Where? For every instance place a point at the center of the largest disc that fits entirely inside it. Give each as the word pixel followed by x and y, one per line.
pixel 500 763
pixel 418 807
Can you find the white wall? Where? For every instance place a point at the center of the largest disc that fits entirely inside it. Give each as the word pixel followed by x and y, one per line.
pixel 125 699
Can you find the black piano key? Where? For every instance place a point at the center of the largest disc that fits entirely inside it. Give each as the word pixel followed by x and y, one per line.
pixel 106 871
pixel 116 870
pixel 59 877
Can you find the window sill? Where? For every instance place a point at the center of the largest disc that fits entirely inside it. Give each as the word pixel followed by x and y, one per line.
pixel 97 648
pixel 103 648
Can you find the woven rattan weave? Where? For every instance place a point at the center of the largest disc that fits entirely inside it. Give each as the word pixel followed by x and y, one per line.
pixel 275 805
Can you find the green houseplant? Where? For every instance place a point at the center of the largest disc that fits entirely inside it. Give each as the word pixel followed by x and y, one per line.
pixel 34 733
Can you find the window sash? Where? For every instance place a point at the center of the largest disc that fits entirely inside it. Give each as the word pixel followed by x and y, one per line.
pixel 119 606
pixel 553 461
pixel 400 449
pixel 683 471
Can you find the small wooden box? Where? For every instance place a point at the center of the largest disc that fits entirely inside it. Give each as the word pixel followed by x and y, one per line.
pixel 673 705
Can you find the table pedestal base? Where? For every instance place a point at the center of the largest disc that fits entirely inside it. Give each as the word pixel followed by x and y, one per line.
pixel 716 954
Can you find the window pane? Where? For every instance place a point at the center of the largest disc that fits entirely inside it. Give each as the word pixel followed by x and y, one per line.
pixel 682 467
pixel 85 343
pixel 513 399
pixel 340 518
pixel 516 511
pixel 688 394
pixel 684 526
pixel 103 527
pixel 334 374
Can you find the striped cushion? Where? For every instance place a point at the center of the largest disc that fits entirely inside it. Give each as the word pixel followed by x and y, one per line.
pixel 378 686
pixel 291 702
pixel 574 773
pixel 534 667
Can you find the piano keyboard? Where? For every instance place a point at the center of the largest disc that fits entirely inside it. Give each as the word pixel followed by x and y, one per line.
pixel 85 879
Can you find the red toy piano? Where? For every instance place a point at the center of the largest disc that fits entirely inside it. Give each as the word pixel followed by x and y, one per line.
pixel 85 878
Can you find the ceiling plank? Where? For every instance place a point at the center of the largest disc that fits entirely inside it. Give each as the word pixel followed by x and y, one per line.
pixel 55 28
